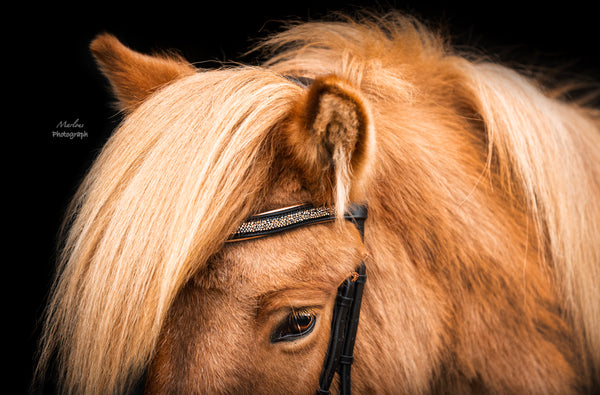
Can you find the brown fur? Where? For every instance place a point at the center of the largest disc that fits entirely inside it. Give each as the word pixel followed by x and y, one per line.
pixel 481 249
pixel 134 76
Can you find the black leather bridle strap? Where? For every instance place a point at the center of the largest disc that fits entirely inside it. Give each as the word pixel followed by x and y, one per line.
pixel 344 324
pixel 346 314
pixel 281 220
pixel 339 323
pixel 359 215
pixel 347 357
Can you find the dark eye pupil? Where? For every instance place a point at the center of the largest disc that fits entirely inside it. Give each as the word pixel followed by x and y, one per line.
pixel 300 322
pixel 297 325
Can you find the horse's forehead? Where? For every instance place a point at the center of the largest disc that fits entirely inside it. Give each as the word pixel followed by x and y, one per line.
pixel 316 255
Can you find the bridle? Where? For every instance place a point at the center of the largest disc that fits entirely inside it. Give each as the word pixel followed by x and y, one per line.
pixel 344 322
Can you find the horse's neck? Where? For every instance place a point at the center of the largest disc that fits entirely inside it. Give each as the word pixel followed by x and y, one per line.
pixel 453 259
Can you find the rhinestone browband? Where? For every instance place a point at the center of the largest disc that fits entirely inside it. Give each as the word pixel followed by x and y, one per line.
pixel 281 220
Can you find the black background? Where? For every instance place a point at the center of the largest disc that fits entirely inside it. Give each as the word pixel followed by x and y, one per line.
pixel 53 79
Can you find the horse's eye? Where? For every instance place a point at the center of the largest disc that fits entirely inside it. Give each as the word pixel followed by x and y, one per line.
pixel 296 325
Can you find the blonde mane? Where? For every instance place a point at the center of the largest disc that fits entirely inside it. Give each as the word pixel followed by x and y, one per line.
pixel 195 159
pixel 171 184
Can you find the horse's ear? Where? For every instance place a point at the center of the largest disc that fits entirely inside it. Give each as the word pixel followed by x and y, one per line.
pixel 331 139
pixel 132 75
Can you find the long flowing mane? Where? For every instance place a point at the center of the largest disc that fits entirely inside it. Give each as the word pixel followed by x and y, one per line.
pixel 196 157
pixel 203 170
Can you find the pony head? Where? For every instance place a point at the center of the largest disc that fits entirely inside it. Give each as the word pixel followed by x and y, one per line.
pixel 198 152
pixel 481 248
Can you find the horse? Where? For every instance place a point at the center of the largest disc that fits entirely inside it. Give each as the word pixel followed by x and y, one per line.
pixel 481 243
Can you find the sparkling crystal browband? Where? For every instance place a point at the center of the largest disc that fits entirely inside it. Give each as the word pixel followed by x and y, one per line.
pixel 281 220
